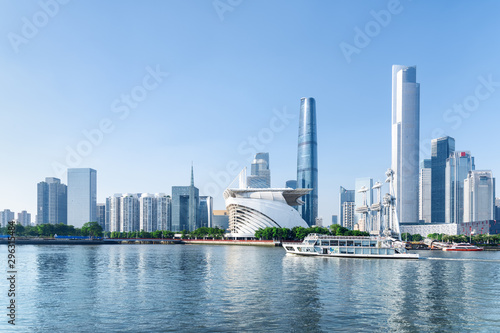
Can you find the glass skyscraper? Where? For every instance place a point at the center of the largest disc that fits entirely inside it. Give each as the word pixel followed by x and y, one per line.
pixel 479 196
pixel 82 196
pixel 307 160
pixel 458 166
pixel 424 191
pixel 260 174
pixel 405 141
pixel 51 201
pixel 346 197
pixel 185 202
pixel 441 149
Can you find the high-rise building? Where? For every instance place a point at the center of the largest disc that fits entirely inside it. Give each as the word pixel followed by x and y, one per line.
pixel 185 201
pixel 114 212
pixel 291 184
pixel 497 209
pixel 260 176
pixel 345 196
pixel 24 218
pixel 163 211
pixel 479 196
pixel 82 196
pixel 307 160
pixel 347 213
pixel 106 214
pixel 358 196
pixel 458 165
pixel 101 215
pixel 6 216
pixel 51 202
pixel 441 149
pixel 205 212
pixel 405 141
pixel 220 219
pixel 147 218
pixel 335 219
pixel 425 191
pixel 129 212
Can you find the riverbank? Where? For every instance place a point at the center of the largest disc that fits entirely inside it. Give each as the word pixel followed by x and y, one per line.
pixel 131 241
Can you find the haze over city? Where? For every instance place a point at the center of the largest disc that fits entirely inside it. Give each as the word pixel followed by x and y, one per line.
pixel 214 86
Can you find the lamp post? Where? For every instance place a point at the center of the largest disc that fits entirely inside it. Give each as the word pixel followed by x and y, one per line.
pixel 470 237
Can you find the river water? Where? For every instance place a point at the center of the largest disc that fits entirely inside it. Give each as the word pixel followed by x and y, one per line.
pixel 210 288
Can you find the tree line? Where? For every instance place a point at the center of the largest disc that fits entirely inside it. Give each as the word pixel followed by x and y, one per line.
pixel 475 239
pixel 49 230
pixel 299 233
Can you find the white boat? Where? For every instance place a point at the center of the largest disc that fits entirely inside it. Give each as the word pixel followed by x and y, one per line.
pixel 462 247
pixel 350 246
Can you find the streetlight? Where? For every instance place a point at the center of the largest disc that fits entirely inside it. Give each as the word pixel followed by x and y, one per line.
pixel 470 237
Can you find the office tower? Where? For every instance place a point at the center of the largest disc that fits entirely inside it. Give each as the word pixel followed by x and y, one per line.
pixel 441 149
pixel 220 219
pixel 6 216
pixel 479 196
pixel 307 160
pixel 82 196
pixel 405 141
pixel 148 212
pixel 335 219
pixel 345 196
pixel 497 209
pixel 101 215
pixel 114 212
pixel 51 202
pixel 185 200
pixel 291 184
pixel 425 191
pixel 358 196
pixel 347 213
pixel 163 211
pixel 458 165
pixel 205 211
pixel 106 214
pixel 24 218
pixel 260 176
pixel 129 213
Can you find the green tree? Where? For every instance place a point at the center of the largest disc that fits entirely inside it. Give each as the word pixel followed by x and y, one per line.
pixel 92 229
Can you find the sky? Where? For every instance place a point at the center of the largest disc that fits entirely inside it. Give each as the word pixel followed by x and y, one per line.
pixel 140 90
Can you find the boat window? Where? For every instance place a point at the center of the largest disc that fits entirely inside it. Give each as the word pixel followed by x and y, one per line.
pixel 312 241
pixel 365 243
pixel 374 251
pixel 324 243
pixel 343 250
pixel 334 243
pixel 390 251
pixel 382 251
pixel 341 242
pixel 350 250
pixel 359 251
pixel 373 243
pixel 289 248
pixel 357 243
pixel 350 243
pixel 366 251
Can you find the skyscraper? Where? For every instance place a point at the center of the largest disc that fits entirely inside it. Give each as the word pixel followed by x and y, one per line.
pixel 424 191
pixel 205 213
pixel 479 196
pixel 114 212
pixel 405 141
pixel 291 184
pixel 307 160
pixel 185 201
pixel 82 196
pixel 24 218
pixel 163 211
pixel 441 149
pixel 129 213
pixel 6 216
pixel 51 201
pixel 346 196
pixel 148 212
pixel 260 176
pixel 458 165
pixel 101 215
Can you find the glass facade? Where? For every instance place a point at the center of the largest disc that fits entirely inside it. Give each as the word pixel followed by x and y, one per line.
pixel 183 208
pixel 479 196
pixel 82 196
pixel 51 202
pixel 307 160
pixel 260 176
pixel 101 215
pixel 345 196
pixel 458 166
pixel 205 211
pixel 441 149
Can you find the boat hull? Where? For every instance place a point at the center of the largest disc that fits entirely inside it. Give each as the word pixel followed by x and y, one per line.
pixel 363 256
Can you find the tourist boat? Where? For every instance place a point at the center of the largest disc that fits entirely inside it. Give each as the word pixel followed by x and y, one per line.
pixel 462 247
pixel 350 246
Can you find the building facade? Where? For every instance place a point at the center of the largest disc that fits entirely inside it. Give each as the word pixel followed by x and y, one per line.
pixel 82 196
pixel 405 141
pixel 479 196
pixel 425 192
pixel 129 213
pixel 114 212
pixel 24 218
pixel 185 202
pixel 260 176
pixel 359 196
pixel 205 212
pixel 441 148
pixel 458 165
pixel 345 196
pixel 6 216
pixel 348 214
pixel 101 215
pixel 163 211
pixel 148 212
pixel 307 160
pixel 291 184
pixel 51 202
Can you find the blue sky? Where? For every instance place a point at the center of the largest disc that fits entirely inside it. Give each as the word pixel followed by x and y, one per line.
pixel 236 73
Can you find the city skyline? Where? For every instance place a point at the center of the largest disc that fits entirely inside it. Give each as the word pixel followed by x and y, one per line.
pixel 61 84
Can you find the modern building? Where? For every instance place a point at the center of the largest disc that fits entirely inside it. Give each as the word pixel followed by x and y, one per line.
pixel 251 209
pixel 6 216
pixel 185 201
pixel 129 212
pixel 405 141
pixel 205 211
pixel 107 216
pixel 101 215
pixel 359 196
pixel 220 219
pixel 458 165
pixel 348 218
pixel 335 219
pixel 82 196
pixel 260 176
pixel 148 212
pixel 346 196
pixel 51 202
pixel 441 148
pixel 307 160
pixel 114 212
pixel 479 196
pixel 425 192
pixel 163 211
pixel 24 218
pixel 291 184
pixel 497 209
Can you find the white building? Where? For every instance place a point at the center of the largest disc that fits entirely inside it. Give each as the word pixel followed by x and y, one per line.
pixel 348 209
pixel 163 211
pixel 425 192
pixel 6 216
pixel 129 212
pixel 405 141
pixel 24 218
pixel 114 212
pixel 251 209
pixel 479 196
pixel 147 218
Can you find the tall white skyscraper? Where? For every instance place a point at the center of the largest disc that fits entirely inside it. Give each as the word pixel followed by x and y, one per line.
pixel 82 196
pixel 114 212
pixel 425 192
pixel 129 213
pixel 479 196
pixel 147 220
pixel 405 141
pixel 457 168
pixel 163 211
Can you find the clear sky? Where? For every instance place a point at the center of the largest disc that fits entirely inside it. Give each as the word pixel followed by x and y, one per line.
pixel 236 73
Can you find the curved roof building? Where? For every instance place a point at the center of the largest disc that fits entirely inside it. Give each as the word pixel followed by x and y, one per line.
pixel 250 209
